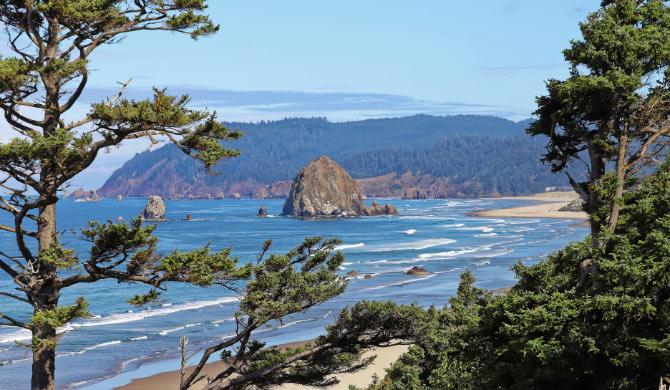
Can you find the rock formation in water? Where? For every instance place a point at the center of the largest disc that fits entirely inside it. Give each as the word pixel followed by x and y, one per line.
pixel 415 194
pixel 154 210
pixel 417 271
pixel 377 209
pixel 325 189
pixel 82 195
pixel 262 212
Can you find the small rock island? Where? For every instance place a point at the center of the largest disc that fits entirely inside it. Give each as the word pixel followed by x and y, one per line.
pixel 323 189
pixel 154 210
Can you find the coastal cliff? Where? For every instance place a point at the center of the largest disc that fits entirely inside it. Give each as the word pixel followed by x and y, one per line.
pixel 324 189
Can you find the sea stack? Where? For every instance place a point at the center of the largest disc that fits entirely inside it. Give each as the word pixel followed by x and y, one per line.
pixel 262 212
pixel 82 195
pixel 324 189
pixel 154 210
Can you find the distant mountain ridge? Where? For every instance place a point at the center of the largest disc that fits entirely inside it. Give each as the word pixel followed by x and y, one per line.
pixel 473 155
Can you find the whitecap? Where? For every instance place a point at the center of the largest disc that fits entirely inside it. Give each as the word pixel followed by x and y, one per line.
pixel 446 255
pixel 409 232
pixel 413 245
pixel 483 229
pixel 18 335
pixel 165 332
pixel 402 283
pixel 138 316
pixel 452 225
pixel 94 347
pixel 349 246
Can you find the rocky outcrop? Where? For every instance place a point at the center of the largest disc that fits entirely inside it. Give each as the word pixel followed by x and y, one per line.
pixel 82 195
pixel 154 210
pixel 262 212
pixel 415 194
pixel 377 209
pixel 575 205
pixel 325 189
pixel 417 271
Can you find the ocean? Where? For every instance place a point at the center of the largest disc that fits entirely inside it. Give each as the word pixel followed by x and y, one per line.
pixel 121 342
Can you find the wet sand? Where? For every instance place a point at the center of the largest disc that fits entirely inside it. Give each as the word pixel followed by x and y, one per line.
pixel 549 207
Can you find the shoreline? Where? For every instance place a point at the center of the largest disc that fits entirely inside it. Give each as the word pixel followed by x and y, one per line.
pixel 547 205
pixel 385 357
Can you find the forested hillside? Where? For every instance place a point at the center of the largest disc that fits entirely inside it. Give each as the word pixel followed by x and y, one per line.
pixel 490 153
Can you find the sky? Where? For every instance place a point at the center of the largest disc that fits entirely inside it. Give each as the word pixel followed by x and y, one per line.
pixel 347 60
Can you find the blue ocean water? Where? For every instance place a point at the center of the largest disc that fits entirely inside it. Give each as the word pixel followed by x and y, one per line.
pixel 120 341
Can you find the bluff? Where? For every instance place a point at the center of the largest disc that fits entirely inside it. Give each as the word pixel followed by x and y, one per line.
pixel 325 189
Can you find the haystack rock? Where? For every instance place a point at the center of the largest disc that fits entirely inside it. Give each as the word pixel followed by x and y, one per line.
pixel 155 209
pixel 324 189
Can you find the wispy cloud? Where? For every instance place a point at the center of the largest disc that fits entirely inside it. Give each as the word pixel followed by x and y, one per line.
pixel 264 105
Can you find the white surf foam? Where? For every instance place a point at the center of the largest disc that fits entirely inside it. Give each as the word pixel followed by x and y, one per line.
pixel 18 335
pixel 401 283
pixel 94 347
pixel 349 246
pixel 452 225
pixel 138 316
pixel 483 229
pixel 413 245
pixel 446 255
pixel 165 332
pixel 409 232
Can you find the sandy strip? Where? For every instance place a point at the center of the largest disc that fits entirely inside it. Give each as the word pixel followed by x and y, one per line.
pixel 385 357
pixel 549 208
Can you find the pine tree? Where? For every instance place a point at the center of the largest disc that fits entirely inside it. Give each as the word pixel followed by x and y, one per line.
pixel 51 44
pixel 613 110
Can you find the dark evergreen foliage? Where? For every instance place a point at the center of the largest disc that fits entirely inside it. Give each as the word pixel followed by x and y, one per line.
pixel 489 150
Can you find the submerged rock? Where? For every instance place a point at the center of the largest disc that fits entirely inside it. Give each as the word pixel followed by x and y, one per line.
pixel 324 189
pixel 417 271
pixel 154 210
pixel 262 212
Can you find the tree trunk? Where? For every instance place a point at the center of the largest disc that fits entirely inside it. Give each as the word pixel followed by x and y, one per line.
pixel 44 358
pixel 45 297
pixel 620 182
pixel 595 177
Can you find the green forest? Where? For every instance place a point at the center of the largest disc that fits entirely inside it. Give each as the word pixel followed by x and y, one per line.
pixel 492 152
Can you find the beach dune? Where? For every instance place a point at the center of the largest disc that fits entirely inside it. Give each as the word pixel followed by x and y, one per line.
pixel 385 357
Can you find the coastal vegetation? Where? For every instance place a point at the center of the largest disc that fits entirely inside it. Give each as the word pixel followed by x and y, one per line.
pixel 593 315
pixel 51 43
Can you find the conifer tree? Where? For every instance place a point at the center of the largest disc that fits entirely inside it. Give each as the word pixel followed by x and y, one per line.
pixel 51 43
pixel 613 113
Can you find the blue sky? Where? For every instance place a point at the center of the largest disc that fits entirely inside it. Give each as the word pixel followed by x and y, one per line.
pixel 449 56
pixel 348 59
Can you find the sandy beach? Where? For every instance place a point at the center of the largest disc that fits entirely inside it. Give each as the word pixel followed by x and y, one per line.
pixel 549 207
pixel 385 357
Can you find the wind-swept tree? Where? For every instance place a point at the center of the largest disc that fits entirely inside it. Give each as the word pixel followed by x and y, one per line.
pixel 51 43
pixel 613 113
pixel 280 286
